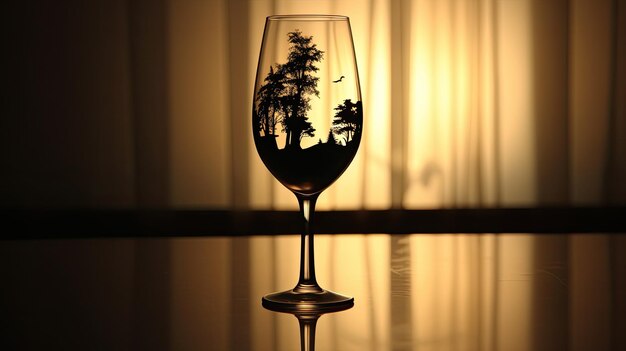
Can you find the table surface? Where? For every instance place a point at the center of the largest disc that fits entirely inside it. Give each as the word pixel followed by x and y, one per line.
pixel 412 292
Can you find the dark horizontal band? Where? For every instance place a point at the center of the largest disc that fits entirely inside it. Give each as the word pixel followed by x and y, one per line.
pixel 83 223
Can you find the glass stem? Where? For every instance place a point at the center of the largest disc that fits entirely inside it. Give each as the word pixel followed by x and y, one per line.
pixel 307 283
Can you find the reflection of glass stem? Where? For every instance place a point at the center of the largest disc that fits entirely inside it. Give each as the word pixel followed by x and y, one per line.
pixel 308 320
pixel 307 331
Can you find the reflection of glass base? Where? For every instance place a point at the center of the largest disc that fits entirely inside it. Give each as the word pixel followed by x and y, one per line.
pixel 291 301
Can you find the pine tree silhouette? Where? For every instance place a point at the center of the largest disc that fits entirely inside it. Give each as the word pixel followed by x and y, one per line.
pixel 285 95
pixel 299 69
pixel 331 138
pixel 348 119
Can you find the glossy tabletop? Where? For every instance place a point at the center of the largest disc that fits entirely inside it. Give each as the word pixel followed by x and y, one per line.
pixel 412 292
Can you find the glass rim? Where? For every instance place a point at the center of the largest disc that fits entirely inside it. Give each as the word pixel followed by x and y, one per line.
pixel 307 17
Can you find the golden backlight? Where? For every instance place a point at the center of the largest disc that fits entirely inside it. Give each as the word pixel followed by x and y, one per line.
pixel 465 104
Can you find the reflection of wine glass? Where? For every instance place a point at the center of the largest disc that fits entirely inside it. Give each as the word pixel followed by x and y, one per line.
pixel 308 321
pixel 307 120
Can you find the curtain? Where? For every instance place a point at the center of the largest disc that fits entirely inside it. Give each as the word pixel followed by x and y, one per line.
pixel 467 103
pixel 473 103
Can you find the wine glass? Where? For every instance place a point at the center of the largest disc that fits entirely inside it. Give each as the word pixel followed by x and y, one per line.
pixel 307 121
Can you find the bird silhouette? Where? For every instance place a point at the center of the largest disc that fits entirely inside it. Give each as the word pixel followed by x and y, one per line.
pixel 338 80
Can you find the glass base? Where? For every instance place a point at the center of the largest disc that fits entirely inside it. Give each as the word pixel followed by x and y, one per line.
pixel 322 301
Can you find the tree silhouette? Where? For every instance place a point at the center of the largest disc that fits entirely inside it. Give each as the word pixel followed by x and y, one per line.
pixel 348 119
pixel 285 94
pixel 331 138
pixel 300 83
pixel 268 99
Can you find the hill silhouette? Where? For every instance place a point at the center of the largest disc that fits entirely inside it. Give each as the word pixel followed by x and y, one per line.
pixel 308 170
